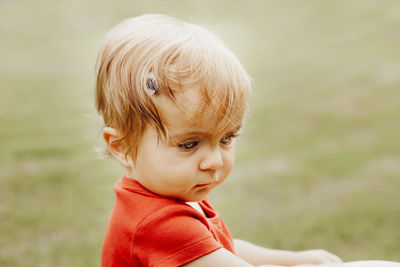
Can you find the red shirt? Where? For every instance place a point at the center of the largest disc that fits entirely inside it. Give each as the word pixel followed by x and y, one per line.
pixel 146 229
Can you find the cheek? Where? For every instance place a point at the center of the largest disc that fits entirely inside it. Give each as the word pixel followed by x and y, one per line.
pixel 230 164
pixel 229 161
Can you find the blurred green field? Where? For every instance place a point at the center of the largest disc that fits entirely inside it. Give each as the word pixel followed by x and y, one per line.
pixel 318 165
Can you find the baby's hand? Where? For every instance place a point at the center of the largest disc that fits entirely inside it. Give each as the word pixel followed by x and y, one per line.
pixel 317 256
pixel 309 265
pixel 322 265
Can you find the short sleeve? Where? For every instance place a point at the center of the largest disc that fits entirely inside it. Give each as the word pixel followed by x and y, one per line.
pixel 172 237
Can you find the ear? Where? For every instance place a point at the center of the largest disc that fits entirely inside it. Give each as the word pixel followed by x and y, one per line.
pixel 117 148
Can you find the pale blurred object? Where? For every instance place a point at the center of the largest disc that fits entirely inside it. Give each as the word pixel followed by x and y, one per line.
pixel 372 264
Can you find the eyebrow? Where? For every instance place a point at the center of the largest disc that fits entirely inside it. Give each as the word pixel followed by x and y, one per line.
pixel 199 133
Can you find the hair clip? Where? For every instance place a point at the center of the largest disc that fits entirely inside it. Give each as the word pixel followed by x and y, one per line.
pixel 152 84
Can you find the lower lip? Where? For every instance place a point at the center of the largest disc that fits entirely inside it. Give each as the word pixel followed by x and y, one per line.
pixel 202 185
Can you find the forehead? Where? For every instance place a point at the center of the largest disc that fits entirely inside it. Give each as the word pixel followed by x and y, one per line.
pixel 189 112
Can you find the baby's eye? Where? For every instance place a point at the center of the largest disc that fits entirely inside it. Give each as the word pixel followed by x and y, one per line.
pixel 189 145
pixel 227 139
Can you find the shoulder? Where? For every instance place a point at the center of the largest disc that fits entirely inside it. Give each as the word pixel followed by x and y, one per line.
pixel 138 218
pixel 174 218
pixel 136 209
pixel 154 231
pixel 172 236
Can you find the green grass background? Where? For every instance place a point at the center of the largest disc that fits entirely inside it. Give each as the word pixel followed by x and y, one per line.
pixel 318 165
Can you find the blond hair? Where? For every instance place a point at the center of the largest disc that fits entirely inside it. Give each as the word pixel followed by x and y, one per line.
pixel 178 56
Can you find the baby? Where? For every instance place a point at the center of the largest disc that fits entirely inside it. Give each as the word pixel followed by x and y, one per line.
pixel 173 99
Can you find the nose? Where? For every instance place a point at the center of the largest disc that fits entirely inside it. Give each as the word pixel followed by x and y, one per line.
pixel 212 160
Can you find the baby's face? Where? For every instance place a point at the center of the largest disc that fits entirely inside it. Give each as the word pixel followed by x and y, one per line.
pixel 195 159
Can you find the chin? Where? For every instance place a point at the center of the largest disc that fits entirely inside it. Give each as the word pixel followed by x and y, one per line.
pixel 192 198
pixel 199 196
pixel 194 195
